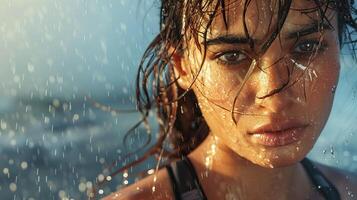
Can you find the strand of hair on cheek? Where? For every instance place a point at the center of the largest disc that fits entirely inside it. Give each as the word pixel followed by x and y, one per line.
pixel 250 71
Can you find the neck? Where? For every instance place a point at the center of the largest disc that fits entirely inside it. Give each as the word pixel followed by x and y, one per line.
pixel 217 163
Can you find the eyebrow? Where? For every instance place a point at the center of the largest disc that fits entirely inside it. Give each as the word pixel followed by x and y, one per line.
pixel 312 28
pixel 237 39
pixel 227 39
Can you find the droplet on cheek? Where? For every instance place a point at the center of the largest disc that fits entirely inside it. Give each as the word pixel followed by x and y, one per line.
pixel 298 65
pixel 297 149
pixel 333 89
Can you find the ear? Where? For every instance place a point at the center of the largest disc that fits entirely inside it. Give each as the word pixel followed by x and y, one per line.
pixel 180 69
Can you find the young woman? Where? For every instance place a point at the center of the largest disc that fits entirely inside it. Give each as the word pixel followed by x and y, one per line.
pixel 242 91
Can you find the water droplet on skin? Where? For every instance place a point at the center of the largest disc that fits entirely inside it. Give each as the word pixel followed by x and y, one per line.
pixel 298 65
pixel 210 154
pixel 349 192
pixel 150 171
pixel 333 89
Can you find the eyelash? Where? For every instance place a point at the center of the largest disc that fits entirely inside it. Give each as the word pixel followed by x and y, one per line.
pixel 238 53
pixel 316 45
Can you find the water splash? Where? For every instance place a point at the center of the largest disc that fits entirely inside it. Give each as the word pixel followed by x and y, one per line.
pixel 209 156
pixel 300 66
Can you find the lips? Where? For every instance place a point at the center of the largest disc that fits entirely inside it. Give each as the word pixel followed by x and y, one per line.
pixel 277 134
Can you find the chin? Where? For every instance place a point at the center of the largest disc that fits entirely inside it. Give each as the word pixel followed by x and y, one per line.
pixel 282 156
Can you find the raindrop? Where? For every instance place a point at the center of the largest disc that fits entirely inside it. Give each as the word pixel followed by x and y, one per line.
pixel 24 165
pixel 56 103
pixel 101 160
pixel 332 151
pixel 3 125
pixel 354 158
pixel 13 187
pixel 75 117
pixel 30 67
pixel 82 187
pixel 89 185
pixel 100 177
pixel 349 192
pixel 5 171
pixel 62 194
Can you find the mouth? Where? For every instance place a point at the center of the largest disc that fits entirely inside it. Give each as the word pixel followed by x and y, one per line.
pixel 277 134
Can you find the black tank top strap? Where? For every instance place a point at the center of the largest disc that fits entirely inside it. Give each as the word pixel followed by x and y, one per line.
pixel 185 184
pixel 322 184
pixel 184 181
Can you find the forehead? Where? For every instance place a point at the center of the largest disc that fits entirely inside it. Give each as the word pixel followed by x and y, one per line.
pixel 261 16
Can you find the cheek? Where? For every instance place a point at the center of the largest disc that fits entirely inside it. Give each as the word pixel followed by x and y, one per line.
pixel 321 93
pixel 219 85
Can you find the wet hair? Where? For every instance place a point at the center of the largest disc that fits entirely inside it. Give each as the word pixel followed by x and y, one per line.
pixel 179 116
pixel 181 124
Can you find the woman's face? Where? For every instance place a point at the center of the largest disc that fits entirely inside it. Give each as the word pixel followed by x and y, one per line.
pixel 271 127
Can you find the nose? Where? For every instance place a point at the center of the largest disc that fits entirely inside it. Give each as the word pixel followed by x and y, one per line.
pixel 273 81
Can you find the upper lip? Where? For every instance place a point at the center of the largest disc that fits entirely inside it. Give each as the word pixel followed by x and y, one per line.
pixel 277 127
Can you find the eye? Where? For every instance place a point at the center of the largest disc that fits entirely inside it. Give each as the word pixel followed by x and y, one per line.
pixel 231 57
pixel 308 46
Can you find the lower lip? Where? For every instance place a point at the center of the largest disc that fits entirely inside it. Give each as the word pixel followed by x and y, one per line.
pixel 279 138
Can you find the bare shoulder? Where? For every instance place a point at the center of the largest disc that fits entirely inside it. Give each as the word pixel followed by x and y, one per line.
pixel 156 186
pixel 345 182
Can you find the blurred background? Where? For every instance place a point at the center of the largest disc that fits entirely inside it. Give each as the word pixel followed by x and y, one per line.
pixel 59 59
